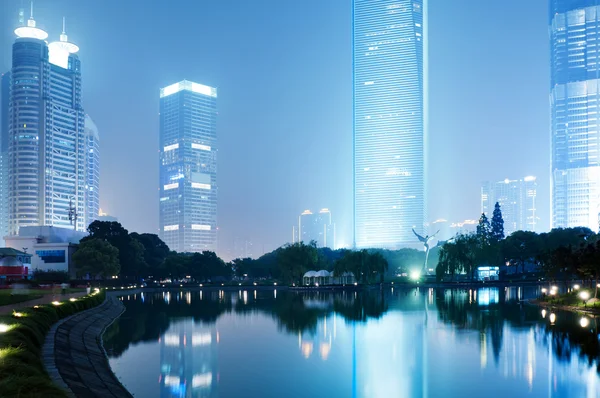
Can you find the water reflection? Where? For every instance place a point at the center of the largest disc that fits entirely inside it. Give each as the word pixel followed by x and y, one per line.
pixel 382 343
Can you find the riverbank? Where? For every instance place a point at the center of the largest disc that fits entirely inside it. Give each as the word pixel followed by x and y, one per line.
pixel 74 355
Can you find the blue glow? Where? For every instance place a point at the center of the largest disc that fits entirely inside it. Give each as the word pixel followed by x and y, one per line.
pixel 390 67
pixel 573 98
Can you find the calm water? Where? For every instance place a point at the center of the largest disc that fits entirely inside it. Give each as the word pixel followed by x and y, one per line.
pixel 390 343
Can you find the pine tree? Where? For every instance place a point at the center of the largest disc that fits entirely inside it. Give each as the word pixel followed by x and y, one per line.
pixel 497 224
pixel 484 230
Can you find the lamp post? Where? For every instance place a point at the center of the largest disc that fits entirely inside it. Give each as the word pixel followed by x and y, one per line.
pixel 585 296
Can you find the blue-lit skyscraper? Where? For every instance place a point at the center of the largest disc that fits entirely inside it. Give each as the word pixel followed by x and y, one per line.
pixel 575 105
pixel 390 121
pixel 188 167
pixel 92 186
pixel 46 139
pixel 4 106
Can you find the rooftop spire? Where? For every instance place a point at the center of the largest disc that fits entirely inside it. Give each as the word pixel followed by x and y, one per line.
pixel 63 35
pixel 31 31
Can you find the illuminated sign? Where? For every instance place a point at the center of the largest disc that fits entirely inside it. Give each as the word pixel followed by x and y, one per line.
pixel 200 185
pixel 200 146
pixel 171 147
pixel 171 186
pixel 201 227
pixel 189 86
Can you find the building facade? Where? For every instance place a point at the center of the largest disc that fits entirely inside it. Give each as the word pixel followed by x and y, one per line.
pixel 390 121
pixel 517 199
pixel 318 227
pixel 92 186
pixel 46 138
pixel 4 106
pixel 188 167
pixel 574 104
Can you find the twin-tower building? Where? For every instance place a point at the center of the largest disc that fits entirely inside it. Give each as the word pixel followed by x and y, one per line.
pixel 49 147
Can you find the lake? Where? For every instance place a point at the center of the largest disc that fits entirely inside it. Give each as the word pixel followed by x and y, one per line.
pixel 390 342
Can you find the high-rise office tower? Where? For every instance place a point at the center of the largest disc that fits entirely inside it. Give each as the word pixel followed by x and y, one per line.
pixel 517 199
pixel 574 93
pixel 188 167
pixel 318 227
pixel 92 187
pixel 390 121
pixel 4 106
pixel 46 138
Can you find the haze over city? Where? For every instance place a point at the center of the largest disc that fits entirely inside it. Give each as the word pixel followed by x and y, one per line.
pixel 285 102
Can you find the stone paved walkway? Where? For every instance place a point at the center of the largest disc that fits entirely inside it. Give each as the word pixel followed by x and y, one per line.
pixel 74 356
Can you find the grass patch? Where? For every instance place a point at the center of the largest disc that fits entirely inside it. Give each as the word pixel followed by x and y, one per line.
pixel 8 297
pixel 22 372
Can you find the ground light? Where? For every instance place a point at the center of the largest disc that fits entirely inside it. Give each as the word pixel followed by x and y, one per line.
pixel 18 314
pixel 552 318
pixel 544 290
pixel 552 292
pixel 415 275
pixel 4 328
pixel 72 299
pixel 56 303
pixel 543 313
pixel 585 296
pixel 576 287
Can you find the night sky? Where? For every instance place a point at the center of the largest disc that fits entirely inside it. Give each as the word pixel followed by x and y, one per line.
pixel 283 69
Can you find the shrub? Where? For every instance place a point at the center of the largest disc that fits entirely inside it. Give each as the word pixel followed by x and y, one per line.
pixel 22 372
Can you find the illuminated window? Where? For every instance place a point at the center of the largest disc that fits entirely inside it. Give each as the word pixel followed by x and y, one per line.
pixel 200 185
pixel 171 186
pixel 200 146
pixel 171 228
pixel 171 147
pixel 201 227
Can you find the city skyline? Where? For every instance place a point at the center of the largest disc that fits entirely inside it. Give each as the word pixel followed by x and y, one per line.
pixel 255 137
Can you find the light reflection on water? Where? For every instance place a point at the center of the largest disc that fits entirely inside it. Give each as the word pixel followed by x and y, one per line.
pixel 396 342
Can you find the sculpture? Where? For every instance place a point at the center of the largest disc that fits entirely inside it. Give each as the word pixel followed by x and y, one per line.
pixel 425 239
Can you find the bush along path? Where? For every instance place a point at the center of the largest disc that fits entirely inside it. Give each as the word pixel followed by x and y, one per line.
pixel 22 336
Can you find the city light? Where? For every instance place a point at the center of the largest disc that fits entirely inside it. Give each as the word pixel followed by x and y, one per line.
pixel 18 314
pixel 585 296
pixel 552 318
pixel 72 299
pixel 56 303
pixel 4 328
pixel 552 292
pixel 576 287
pixel 415 275
pixel 544 290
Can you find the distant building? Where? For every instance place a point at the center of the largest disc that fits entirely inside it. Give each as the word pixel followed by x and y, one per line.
pixel 574 88
pixel 92 187
pixel 463 227
pixel 188 167
pixel 318 227
pixel 51 247
pixel 390 121
pixel 4 107
pixel 517 199
pixel 102 216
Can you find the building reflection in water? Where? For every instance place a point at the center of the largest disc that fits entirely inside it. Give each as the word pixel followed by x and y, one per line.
pixel 188 361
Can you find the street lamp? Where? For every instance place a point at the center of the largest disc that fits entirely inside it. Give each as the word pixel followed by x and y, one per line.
pixel 585 296
pixel 576 287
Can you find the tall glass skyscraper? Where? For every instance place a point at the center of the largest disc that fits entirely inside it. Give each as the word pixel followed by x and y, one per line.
pixel 575 105
pixel 92 186
pixel 188 167
pixel 47 144
pixel 517 199
pixel 390 121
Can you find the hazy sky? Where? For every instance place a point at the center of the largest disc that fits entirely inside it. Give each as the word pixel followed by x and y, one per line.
pixel 283 69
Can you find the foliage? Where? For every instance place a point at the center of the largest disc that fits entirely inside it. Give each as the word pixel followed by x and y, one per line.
pixel 366 266
pixel 295 259
pixel 50 276
pixel 155 251
pixel 484 230
pixel 22 372
pixel 497 224
pixel 131 251
pixel 520 248
pixel 97 258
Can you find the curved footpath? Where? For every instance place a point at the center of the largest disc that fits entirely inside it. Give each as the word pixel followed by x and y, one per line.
pixel 75 358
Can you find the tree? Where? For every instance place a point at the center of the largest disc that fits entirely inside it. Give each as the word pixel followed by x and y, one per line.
pixel 497 224
pixel 588 264
pixel 96 258
pixel 484 230
pixel 295 259
pixel 520 248
pixel 449 262
pixel 131 252
pixel 155 251
pixel 364 265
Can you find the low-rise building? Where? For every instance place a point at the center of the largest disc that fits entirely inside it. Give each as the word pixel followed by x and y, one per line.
pixel 14 264
pixel 51 248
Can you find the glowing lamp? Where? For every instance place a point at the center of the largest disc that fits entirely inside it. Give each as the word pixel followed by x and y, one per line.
pixel 552 317
pixel 415 275
pixel 4 328
pixel 585 296
pixel 584 322
pixel 576 287
pixel 56 303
